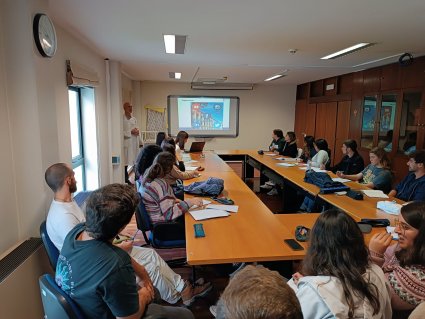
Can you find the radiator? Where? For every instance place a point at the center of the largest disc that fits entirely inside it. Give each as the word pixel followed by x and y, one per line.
pixel 19 273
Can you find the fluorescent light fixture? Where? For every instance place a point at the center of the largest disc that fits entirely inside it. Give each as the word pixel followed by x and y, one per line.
pixel 175 75
pixel 175 44
pixel 377 60
pixel 276 76
pixel 346 51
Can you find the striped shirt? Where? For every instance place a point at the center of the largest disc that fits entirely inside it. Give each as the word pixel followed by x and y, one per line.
pixel 160 202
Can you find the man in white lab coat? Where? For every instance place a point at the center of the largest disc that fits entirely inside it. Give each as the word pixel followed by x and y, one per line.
pixel 132 140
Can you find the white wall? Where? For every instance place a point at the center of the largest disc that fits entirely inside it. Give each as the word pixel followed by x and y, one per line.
pixel 34 117
pixel 261 110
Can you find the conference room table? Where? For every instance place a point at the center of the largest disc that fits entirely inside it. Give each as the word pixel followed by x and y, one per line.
pixel 254 233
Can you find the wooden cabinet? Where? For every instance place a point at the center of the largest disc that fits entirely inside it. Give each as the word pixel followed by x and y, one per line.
pixel 305 119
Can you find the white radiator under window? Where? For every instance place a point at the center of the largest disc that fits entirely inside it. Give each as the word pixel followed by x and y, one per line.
pixel 19 273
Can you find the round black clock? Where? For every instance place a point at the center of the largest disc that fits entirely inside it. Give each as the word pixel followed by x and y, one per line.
pixel 44 35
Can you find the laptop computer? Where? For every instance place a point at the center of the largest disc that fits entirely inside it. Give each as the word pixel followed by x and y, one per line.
pixel 196 147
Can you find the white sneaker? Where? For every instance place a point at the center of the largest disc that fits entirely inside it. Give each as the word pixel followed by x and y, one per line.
pixel 213 310
pixel 270 183
pixel 265 186
pixel 273 192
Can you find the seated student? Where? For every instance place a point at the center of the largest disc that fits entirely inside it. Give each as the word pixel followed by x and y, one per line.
pixel 181 140
pixel 176 174
pixel 290 147
pixel 308 149
pixel 322 157
pixel 179 162
pixel 352 162
pixel 412 187
pixel 377 174
pixel 99 276
pixel 258 293
pixel 337 279
pixel 145 159
pixel 160 137
pixel 158 196
pixel 404 262
pixel 64 214
pixel 277 141
pixel 409 146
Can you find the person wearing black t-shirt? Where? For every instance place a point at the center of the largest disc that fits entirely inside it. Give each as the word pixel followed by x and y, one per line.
pixel 352 163
pixel 290 148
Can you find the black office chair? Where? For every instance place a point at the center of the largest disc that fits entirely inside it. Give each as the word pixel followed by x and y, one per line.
pixel 56 302
pixel 158 233
pixel 52 251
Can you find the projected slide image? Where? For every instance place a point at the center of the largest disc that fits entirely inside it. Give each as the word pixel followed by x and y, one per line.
pixel 207 115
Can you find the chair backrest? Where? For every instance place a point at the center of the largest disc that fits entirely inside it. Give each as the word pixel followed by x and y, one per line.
pixel 142 220
pixel 52 251
pixel 56 303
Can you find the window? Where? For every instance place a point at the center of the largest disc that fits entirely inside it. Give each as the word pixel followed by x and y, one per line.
pixel 77 145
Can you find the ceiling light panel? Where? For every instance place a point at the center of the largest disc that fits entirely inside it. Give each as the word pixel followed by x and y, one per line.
pixel 175 44
pixel 348 50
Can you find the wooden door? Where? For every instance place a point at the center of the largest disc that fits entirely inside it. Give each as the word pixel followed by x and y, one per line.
pixel 342 129
pixel 326 115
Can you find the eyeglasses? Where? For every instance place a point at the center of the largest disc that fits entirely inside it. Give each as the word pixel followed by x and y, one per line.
pixel 403 226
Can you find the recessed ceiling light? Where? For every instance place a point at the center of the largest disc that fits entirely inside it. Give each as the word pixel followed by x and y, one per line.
pixel 175 44
pixel 175 75
pixel 346 51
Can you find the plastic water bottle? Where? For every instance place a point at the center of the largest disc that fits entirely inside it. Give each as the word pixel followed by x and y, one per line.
pixel 308 165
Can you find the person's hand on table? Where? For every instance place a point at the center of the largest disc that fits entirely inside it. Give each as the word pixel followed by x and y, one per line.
pixel 195 201
pixel 380 242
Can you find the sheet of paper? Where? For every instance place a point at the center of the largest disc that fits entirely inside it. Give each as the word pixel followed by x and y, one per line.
pixel 391 230
pixel 270 154
pixel 286 164
pixel 204 202
pixel 374 193
pixel 279 158
pixel 208 213
pixel 191 162
pixel 304 168
pixel 341 180
pixel 316 169
pixel 191 168
pixel 229 208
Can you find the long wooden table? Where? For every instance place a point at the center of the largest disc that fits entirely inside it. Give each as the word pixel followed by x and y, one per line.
pixel 254 233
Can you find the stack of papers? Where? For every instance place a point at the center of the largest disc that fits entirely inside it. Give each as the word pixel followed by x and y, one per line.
pixel 286 164
pixel 229 208
pixel 374 193
pixel 341 180
pixel 208 213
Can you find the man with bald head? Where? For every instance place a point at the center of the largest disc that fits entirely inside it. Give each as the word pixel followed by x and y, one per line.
pixel 132 140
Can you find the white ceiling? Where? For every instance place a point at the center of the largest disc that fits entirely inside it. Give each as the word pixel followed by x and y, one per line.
pixel 244 40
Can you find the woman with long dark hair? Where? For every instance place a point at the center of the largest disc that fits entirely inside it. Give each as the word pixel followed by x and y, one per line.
pixel 158 196
pixel 404 262
pixel 308 149
pixel 145 159
pixel 337 279
pixel 181 140
pixel 352 162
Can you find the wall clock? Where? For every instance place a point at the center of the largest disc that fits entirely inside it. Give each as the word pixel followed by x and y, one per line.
pixel 44 35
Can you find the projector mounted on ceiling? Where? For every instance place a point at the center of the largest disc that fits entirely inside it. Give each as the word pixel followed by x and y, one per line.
pixel 221 86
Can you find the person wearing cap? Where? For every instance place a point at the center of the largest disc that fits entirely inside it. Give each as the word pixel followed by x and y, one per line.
pixel 412 187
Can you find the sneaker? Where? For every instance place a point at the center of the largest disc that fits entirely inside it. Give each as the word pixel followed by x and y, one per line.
pixel 190 293
pixel 265 186
pixel 238 266
pixel 273 192
pixel 213 310
pixel 270 183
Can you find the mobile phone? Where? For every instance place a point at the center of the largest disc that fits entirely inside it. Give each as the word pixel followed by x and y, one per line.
pixel 293 244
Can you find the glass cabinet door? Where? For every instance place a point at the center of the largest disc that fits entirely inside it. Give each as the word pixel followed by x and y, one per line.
pixel 410 118
pixel 387 115
pixel 368 121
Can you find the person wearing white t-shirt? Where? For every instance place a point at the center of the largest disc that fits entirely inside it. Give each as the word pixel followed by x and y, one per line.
pixel 65 214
